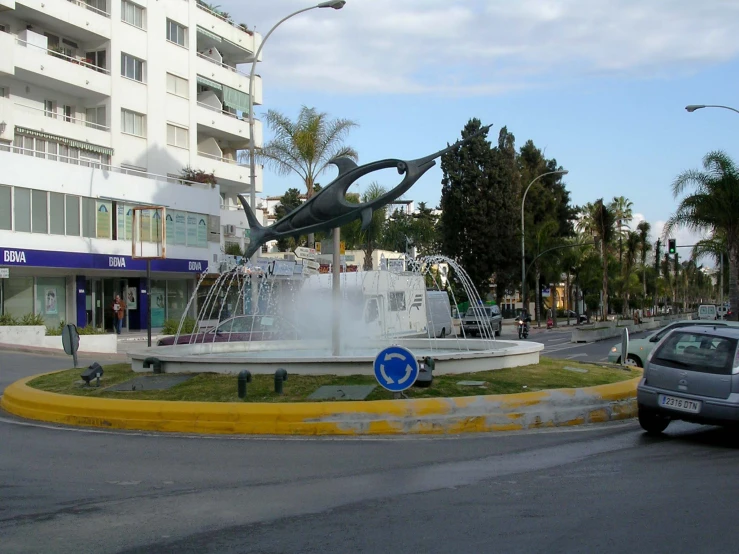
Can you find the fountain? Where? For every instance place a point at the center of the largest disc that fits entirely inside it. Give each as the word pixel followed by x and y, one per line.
pixel 379 308
pixel 343 319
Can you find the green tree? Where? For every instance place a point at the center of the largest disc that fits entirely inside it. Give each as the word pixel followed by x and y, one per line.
pixel 305 146
pixel 713 206
pixel 288 202
pixel 622 211
pixel 603 221
pixel 643 229
pixel 479 196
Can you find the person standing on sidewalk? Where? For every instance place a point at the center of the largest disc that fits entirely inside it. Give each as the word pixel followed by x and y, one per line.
pixel 119 310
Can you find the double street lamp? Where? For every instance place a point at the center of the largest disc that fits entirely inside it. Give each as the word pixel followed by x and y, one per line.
pixel 523 235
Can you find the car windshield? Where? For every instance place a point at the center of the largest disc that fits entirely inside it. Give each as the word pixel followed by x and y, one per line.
pixel 698 352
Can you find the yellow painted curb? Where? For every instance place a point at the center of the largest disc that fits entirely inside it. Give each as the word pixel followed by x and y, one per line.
pixel 504 412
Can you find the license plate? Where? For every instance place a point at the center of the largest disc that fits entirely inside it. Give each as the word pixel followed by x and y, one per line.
pixel 681 404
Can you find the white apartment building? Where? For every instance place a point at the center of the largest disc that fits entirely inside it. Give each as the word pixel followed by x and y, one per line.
pixel 103 103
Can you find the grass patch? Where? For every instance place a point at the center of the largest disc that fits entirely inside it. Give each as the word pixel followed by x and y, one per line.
pixel 211 387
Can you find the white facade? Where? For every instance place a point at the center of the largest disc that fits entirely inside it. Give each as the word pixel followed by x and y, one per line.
pixel 103 106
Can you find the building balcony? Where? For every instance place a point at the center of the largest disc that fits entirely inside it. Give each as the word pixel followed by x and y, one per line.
pixel 232 177
pixel 73 18
pixel 54 123
pixel 237 34
pixel 226 126
pixel 7 60
pixel 211 67
pixel 54 70
pixel 7 5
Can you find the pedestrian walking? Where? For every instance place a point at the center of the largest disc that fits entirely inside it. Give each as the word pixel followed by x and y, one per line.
pixel 119 310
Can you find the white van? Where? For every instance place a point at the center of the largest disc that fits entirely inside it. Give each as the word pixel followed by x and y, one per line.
pixel 707 311
pixel 439 313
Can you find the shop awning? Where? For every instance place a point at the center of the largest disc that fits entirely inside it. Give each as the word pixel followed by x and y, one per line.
pixel 235 99
pixel 64 140
pixel 208 34
pixel 209 83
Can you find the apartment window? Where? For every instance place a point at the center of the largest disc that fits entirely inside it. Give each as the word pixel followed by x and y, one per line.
pixel 4 92
pixel 56 213
pixel 177 85
pixel 39 212
pixel 51 149
pixel 95 117
pixel 177 136
pixel 68 112
pixel 72 215
pixel 88 218
pixel 132 68
pixel 97 58
pixel 40 148
pixel 132 13
pixel 49 108
pixel 132 123
pixel 22 209
pixel 176 33
pixel 99 5
pixel 5 212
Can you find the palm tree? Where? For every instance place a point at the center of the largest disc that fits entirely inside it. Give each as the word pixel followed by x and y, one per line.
pixel 603 222
pixel 714 207
pixel 714 247
pixel 633 242
pixel 305 146
pixel 374 229
pixel 622 210
pixel 644 246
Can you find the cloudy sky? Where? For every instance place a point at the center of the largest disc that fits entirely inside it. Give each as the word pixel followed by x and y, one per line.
pixel 600 85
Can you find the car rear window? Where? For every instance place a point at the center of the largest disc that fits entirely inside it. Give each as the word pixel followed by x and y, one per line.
pixel 697 352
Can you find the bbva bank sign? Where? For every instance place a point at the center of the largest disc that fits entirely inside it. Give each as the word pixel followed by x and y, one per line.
pixel 14 257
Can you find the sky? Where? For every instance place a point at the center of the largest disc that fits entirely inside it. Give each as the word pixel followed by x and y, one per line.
pixel 600 85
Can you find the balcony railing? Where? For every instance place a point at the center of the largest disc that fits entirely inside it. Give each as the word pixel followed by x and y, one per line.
pixel 98 165
pixel 223 65
pixel 63 56
pixel 221 159
pixel 221 111
pixel 223 17
pixel 90 7
pixel 67 119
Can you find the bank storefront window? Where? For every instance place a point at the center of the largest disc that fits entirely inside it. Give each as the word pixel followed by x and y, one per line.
pixel 18 296
pixel 5 212
pixel 51 299
pixel 169 300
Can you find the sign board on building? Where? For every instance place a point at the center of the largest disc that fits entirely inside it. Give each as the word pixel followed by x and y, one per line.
pixel 283 268
pixel 342 248
pixel 318 247
pixel 396 266
pixel 310 264
pixel 4 272
pixel 309 271
pixel 298 269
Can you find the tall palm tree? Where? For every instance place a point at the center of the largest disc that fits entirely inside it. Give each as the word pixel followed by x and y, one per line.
pixel 622 210
pixel 712 206
pixel 305 146
pixel 633 242
pixel 715 247
pixel 604 222
pixel 643 229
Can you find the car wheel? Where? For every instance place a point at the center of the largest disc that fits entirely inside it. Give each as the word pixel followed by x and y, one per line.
pixel 443 333
pixel 652 422
pixel 498 330
pixel 633 361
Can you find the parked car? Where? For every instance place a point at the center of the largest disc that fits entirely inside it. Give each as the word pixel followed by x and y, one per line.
pixel 477 318
pixel 639 349
pixel 569 314
pixel 240 328
pixel 692 375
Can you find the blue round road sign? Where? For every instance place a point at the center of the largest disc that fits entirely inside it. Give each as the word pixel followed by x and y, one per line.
pixel 396 368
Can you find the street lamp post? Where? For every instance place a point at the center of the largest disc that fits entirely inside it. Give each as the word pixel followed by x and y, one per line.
pixel 523 242
pixel 335 4
pixel 694 107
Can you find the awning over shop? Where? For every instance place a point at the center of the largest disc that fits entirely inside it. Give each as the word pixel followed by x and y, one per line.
pixel 208 83
pixel 235 99
pixel 64 140
pixel 208 34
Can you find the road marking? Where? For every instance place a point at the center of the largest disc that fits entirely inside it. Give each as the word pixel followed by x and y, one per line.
pixel 559 340
pixel 575 356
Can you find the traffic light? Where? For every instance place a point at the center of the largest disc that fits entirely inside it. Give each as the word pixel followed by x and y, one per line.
pixel 672 246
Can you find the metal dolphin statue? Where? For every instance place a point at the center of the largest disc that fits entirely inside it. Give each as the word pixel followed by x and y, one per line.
pixel 328 208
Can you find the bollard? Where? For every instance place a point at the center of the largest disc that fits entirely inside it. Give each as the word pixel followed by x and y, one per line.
pixel 151 361
pixel 425 373
pixel 280 378
pixel 244 378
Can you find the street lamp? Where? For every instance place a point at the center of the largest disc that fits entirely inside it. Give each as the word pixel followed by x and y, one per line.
pixel 335 4
pixel 694 107
pixel 523 243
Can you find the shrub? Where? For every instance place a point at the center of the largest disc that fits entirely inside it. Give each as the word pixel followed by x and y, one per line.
pixel 7 319
pixel 57 331
pixel 171 325
pixel 32 319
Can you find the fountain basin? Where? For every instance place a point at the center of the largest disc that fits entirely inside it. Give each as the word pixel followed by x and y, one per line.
pixel 452 356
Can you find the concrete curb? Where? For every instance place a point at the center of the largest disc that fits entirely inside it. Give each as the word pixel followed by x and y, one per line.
pixel 118 356
pixel 472 414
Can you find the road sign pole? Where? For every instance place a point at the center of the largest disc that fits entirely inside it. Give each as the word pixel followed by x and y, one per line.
pixel 148 302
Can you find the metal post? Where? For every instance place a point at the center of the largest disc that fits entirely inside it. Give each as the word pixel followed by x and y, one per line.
pixel 336 289
pixel 721 285
pixel 148 303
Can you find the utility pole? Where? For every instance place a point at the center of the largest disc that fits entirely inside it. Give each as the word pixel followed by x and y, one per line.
pixel 656 275
pixel 677 272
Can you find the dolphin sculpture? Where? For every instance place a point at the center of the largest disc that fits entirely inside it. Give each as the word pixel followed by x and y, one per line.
pixel 328 208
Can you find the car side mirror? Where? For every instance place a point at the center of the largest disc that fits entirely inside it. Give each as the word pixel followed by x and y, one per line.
pixel 653 338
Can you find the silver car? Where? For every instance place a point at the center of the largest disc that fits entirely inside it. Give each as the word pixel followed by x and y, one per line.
pixel 692 375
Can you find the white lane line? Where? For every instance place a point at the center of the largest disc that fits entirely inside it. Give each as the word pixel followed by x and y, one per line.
pixel 559 340
pixel 575 356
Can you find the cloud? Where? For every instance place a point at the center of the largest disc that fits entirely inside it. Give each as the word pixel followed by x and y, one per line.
pixel 486 47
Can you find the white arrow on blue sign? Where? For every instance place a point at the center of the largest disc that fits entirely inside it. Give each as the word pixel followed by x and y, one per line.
pixel 396 368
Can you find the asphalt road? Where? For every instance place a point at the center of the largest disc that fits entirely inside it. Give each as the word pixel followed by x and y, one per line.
pixel 590 489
